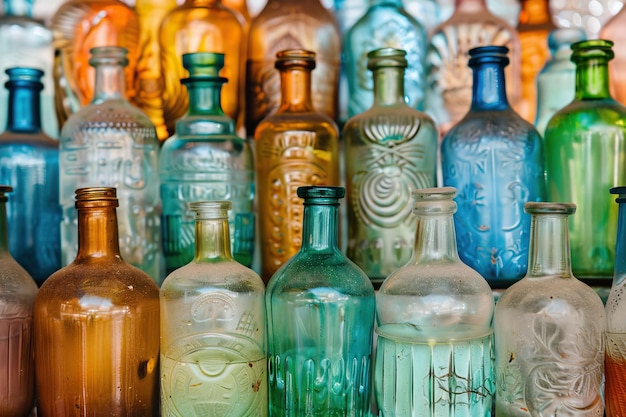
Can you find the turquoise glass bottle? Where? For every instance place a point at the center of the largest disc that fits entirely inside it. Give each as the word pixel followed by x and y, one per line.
pixel 494 158
pixel 585 157
pixel 390 150
pixel 320 310
pixel 30 164
pixel 205 160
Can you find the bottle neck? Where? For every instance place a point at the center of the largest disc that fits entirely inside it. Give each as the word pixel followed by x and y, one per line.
pixel 24 110
pixel 469 6
pixel 435 239
pixel 592 79
pixel 320 227
pixel 110 82
pixel 295 88
pixel 489 89
pixel 18 8
pixel 388 86
pixel 212 240
pixel 4 228
pixel 205 98
pixel 620 246
pixel 97 233
pixel 549 252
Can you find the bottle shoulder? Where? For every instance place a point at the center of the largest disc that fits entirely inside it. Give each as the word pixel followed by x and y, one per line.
pixel 393 124
pixel 37 140
pixel 17 287
pixel 281 122
pixel 580 115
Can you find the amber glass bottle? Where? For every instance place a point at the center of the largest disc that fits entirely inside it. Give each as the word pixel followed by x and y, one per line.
pixel 295 146
pixel 96 325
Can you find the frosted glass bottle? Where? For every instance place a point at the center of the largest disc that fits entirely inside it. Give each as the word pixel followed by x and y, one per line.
pixel 112 143
pixel 390 150
pixel 549 330
pixel 215 364
pixel 614 30
pixel 434 354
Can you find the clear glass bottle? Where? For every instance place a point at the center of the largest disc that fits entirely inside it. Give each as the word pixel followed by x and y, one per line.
pixel 496 161
pixel 96 325
pixel 79 26
pixel 112 143
pixel 386 24
pixel 549 329
pixel 585 156
pixel 434 353
pixel 17 295
pixel 30 163
pixel 390 150
pixel 202 26
pixel 216 363
pixel 589 16
pixel 205 160
pixel 614 30
pixel 449 80
pixel 27 42
pixel 321 311
pixel 294 146
pixel 291 24
pixel 556 82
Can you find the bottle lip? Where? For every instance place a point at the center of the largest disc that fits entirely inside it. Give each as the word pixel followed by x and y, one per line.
pixel 321 194
pixel 203 64
pixel 544 207
pixel 488 54
pixel 295 58
pixel 211 210
pixel 386 57
pixel 592 49
pixel 28 77
pixel 115 55
pixel 621 191
pixel 4 189
pixel 436 200
pixel 96 197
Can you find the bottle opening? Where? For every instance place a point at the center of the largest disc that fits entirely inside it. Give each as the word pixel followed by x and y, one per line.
pixel 535 207
pixel 211 210
pixel 601 49
pixel 203 64
pixel 295 58
pixel 4 189
pixel 438 200
pixel 489 54
pixel 621 191
pixel 321 195
pixel 96 197
pixel 386 57
pixel 112 55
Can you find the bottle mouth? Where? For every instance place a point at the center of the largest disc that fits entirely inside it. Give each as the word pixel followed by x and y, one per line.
pixel 601 49
pixel 111 55
pixel 211 210
pixel 205 64
pixel 489 54
pixel 543 207
pixel 30 77
pixel 321 194
pixel 4 189
pixel 437 200
pixel 96 197
pixel 621 191
pixel 386 57
pixel 295 58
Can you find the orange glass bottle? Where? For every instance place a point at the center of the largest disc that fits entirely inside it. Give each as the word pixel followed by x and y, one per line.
pixel 78 26
pixel 295 146
pixel 96 325
pixel 201 26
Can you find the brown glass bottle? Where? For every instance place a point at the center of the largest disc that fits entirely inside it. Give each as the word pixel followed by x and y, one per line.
pixel 96 325
pixel 295 146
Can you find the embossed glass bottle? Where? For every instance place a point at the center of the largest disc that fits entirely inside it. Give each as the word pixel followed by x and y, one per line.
pixel 589 136
pixel 614 30
pixel 112 143
pixel 30 163
pixel 549 329
pixel 205 160
pixel 216 363
pixel 291 24
pixel 17 295
pixel 96 324
pixel 391 150
pixel 495 159
pixel 201 26
pixel 320 310
pixel 434 354
pixel 294 146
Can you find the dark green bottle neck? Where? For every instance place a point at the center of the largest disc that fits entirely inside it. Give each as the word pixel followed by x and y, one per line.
pixel 18 8
pixel 24 110
pixel 320 227
pixel 592 79
pixel 489 88
pixel 549 251
pixel 212 240
pixel 204 97
pixel 110 82
pixel 388 86
pixel 4 233
pixel 295 89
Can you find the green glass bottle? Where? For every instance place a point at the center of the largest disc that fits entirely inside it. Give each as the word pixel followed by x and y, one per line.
pixel 585 157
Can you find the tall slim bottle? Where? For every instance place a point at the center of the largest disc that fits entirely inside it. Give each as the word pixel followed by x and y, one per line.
pixel 549 329
pixel 614 31
pixel 295 146
pixel 30 163
pixel 585 156
pixel 17 296
pixel 434 354
pixel 391 150
pixel 320 310
pixel 112 143
pixel 96 325
pixel 205 160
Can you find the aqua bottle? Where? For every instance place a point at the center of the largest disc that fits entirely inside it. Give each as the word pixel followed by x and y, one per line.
pixel 320 310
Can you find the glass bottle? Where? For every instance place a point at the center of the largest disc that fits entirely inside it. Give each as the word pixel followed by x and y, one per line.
pixel 320 310
pixel 241 6
pixel 79 26
pixel 294 146
pixel 217 361
pixel 27 42
pixel 96 325
pixel 30 163
pixel 585 156
pixel 496 161
pixel 284 25
pixel 449 80
pixel 434 354
pixel 556 82
pixel 17 295
pixel 589 16
pixel 112 143
pixel 386 24
pixel 549 329
pixel 614 31
pixel 391 150
pixel 205 160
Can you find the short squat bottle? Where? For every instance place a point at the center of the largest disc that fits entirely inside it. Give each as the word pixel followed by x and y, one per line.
pixel 320 310
pixel 216 361
pixel 434 353
pixel 549 329
pixel 96 325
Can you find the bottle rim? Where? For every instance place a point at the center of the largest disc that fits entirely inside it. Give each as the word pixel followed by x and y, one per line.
pixel 96 197
pixel 4 189
pixel 547 207
pixel 386 57
pixel 321 194
pixel 295 58
pixel 211 210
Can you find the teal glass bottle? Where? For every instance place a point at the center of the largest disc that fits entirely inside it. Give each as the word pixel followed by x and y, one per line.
pixel 586 156
pixel 390 150
pixel 205 160
pixel 320 310
pixel 29 161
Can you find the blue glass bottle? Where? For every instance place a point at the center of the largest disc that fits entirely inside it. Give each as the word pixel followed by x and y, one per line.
pixel 386 24
pixel 205 160
pixel 29 162
pixel 494 158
